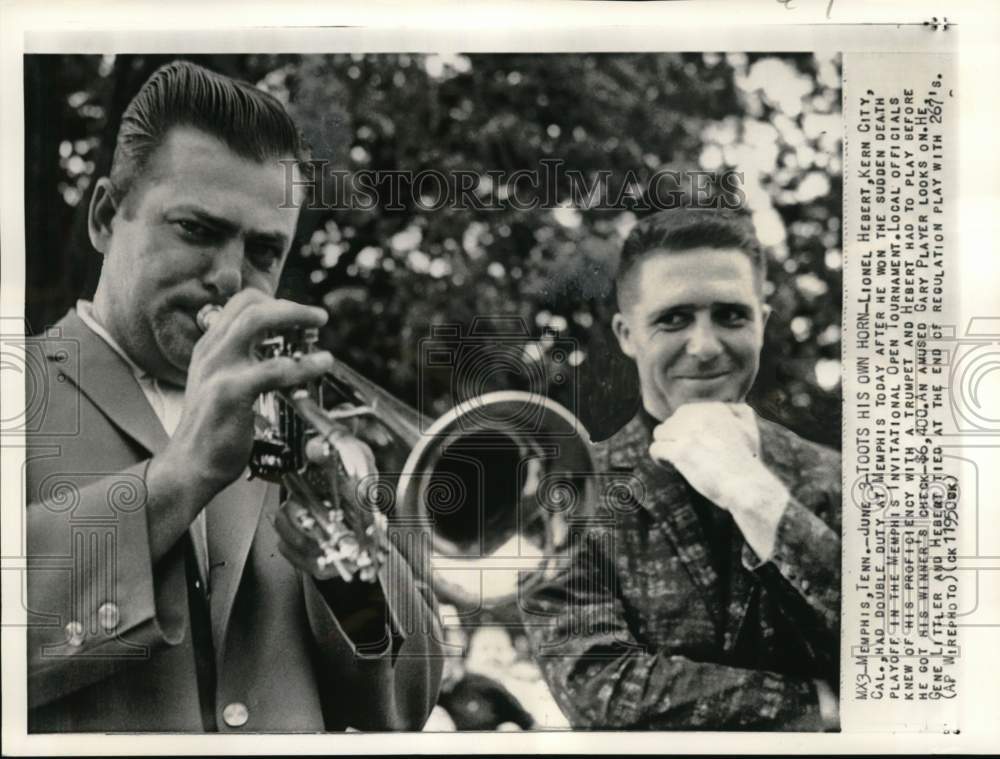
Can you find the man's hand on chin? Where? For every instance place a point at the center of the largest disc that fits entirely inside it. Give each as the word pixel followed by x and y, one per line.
pixel 715 447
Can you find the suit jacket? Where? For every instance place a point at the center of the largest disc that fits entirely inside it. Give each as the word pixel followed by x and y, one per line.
pixel 116 643
pixel 640 630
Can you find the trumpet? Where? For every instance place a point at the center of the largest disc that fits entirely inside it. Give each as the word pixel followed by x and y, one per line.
pixel 492 482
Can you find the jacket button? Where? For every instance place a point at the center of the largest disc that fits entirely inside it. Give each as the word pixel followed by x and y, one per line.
pixel 108 616
pixel 235 714
pixel 74 634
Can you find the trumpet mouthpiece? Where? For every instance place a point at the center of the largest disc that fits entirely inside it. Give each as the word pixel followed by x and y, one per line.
pixel 208 314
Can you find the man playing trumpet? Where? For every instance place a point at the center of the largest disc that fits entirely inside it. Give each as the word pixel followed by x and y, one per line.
pixel 207 606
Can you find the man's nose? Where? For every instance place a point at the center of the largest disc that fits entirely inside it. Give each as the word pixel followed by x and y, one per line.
pixel 703 344
pixel 225 275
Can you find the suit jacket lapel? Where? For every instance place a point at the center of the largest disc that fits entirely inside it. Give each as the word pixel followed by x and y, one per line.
pixel 675 515
pixel 233 518
pixel 668 499
pixel 104 377
pixel 742 586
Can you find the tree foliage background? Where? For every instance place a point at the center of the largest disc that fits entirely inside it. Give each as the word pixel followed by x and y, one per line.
pixel 388 274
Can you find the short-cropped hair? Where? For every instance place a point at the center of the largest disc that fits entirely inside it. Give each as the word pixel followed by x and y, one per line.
pixel 251 122
pixel 676 230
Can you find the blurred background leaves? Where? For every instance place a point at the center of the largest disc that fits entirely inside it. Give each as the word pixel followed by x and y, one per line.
pixel 388 274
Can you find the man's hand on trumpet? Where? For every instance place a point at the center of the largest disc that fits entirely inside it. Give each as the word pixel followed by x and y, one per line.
pixel 212 443
pixel 226 377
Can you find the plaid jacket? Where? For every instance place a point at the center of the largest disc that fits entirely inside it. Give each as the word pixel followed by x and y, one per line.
pixel 641 632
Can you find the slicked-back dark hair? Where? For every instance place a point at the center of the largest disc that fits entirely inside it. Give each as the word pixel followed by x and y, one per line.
pixel 251 122
pixel 676 230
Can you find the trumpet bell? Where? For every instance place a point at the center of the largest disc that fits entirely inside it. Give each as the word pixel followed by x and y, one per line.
pixel 499 483
pixel 499 479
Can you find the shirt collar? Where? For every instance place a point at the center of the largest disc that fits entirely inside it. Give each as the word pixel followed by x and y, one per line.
pixel 85 309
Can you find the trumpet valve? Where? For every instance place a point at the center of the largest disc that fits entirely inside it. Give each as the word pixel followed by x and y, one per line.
pixel 305 521
pixel 318 450
pixel 347 548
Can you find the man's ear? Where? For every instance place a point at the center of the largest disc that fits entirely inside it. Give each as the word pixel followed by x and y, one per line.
pixel 100 214
pixel 622 330
pixel 765 314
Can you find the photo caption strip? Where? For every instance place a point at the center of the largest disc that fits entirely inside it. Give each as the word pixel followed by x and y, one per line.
pixel 903 497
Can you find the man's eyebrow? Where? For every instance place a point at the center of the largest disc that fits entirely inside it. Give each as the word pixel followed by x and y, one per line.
pixel 738 304
pixel 685 307
pixel 257 235
pixel 676 307
pixel 277 239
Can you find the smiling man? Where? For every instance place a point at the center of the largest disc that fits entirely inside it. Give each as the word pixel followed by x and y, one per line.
pixel 713 602
pixel 169 593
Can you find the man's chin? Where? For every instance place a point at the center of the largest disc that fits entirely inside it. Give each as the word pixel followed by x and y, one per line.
pixel 177 358
pixel 174 374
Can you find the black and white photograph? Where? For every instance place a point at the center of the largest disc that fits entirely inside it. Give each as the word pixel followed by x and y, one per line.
pixel 614 278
